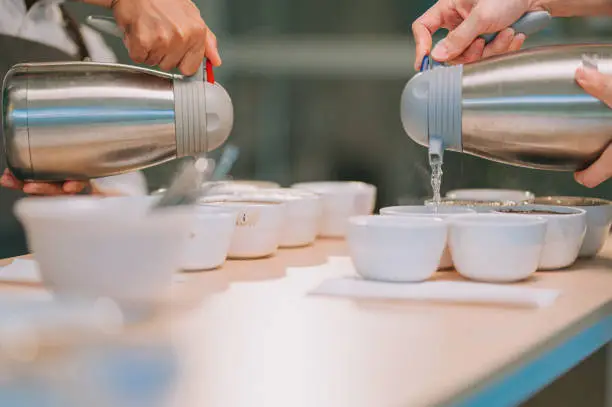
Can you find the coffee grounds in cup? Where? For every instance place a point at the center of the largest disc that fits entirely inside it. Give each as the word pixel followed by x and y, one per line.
pixel 532 212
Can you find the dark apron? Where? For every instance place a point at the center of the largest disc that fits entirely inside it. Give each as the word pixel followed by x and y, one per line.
pixel 13 51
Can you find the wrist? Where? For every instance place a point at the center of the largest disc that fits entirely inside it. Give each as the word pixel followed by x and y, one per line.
pixel 573 8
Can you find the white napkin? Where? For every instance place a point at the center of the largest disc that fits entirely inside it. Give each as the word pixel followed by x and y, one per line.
pixel 26 271
pixel 445 291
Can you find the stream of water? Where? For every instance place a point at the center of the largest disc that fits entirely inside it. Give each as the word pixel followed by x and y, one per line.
pixel 436 179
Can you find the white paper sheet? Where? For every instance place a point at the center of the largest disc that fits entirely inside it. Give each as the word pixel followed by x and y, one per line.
pixel 438 291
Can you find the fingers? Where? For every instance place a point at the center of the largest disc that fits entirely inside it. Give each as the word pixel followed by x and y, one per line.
pixel 517 42
pixel 598 172
pixel 212 50
pixel 162 45
pixel 423 29
pixel 74 187
pixel 192 60
pixel 595 83
pixel 473 53
pixel 458 40
pixel 44 188
pixel 8 180
pixel 167 33
pixel 188 46
pixel 138 41
pixel 500 45
pixel 36 188
pixel 506 41
pixel 600 86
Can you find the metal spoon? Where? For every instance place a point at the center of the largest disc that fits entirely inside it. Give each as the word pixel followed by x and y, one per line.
pixel 226 162
pixel 187 186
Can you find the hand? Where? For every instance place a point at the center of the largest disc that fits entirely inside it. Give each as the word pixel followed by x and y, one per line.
pixel 167 33
pixel 599 86
pixel 8 180
pixel 466 20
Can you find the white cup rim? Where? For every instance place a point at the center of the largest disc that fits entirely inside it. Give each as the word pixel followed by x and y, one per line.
pixel 427 210
pixel 400 222
pixel 597 202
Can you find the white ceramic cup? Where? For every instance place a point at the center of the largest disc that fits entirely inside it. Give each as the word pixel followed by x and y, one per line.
pixel 396 249
pixel 302 213
pixel 209 238
pixel 598 220
pixel 492 194
pixel 129 184
pixel 341 200
pixel 259 225
pixel 91 247
pixel 253 183
pixel 443 212
pixel 495 247
pixel 565 232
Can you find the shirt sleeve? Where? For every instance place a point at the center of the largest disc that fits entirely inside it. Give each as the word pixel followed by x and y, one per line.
pixel 97 47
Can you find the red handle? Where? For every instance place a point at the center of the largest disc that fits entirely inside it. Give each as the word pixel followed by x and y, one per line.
pixel 210 76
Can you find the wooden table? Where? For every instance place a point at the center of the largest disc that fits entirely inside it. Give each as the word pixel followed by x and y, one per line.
pixel 255 338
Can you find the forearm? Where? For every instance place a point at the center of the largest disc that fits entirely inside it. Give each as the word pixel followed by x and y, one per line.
pixel 571 8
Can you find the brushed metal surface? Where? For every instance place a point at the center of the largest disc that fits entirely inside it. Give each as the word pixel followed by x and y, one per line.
pixel 526 109
pixel 62 124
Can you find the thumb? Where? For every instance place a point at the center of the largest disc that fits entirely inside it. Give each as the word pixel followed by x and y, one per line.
pixel 596 84
pixel 212 49
pixel 458 40
pixel 598 172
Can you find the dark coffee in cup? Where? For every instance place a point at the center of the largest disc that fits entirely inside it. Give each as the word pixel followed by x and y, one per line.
pixel 532 212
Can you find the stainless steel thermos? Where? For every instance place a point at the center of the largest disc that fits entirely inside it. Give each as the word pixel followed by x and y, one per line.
pixel 82 120
pixel 523 108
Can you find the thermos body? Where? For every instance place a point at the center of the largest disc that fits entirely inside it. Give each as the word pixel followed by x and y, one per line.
pixel 523 108
pixel 82 120
pixel 527 109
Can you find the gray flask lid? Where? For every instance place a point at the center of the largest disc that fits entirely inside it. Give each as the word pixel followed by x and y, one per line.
pixel 431 107
pixel 203 113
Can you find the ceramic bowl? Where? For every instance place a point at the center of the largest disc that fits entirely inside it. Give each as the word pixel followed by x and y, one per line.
pixel 476 205
pixel 396 249
pixel 483 194
pixel 443 212
pixel 302 213
pixel 498 248
pixel 254 183
pixel 565 231
pixel 341 200
pixel 209 238
pixel 598 219
pixel 259 224
pixel 105 247
pixel 129 184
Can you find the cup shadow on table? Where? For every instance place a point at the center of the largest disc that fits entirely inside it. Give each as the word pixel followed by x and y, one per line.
pixel 275 266
pixel 597 263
